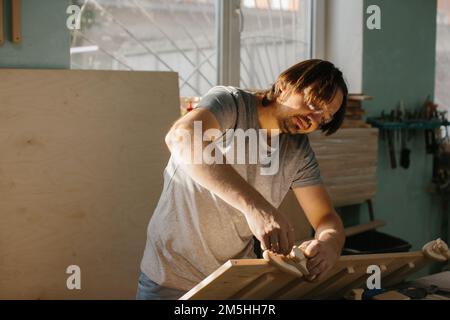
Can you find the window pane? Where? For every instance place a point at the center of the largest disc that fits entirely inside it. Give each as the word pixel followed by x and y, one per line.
pixel 442 92
pixel 276 35
pixel 176 35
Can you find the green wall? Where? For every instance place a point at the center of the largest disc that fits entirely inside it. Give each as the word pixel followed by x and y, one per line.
pixel 45 37
pixel 399 64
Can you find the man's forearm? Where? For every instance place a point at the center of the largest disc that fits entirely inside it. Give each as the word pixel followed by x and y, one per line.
pixel 331 230
pixel 269 226
pixel 226 183
pixel 221 179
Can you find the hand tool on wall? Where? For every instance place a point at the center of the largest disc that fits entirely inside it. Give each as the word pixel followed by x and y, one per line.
pixel 2 36
pixel 430 141
pixel 390 137
pixel 405 152
pixel 16 30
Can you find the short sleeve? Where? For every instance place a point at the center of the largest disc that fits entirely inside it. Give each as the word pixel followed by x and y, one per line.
pixel 221 103
pixel 308 173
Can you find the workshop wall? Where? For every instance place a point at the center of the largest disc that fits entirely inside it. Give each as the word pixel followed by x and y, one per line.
pixel 399 64
pixel 45 37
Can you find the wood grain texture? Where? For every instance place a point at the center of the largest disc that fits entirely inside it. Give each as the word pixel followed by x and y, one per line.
pixel 257 279
pixel 2 21
pixel 16 21
pixel 82 158
pixel 348 162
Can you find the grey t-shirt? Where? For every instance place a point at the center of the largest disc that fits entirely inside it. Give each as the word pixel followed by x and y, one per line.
pixel 192 231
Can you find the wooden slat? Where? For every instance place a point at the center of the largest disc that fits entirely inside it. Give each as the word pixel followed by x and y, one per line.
pixel 348 161
pixel 407 269
pixel 229 279
pixel 287 288
pixel 349 273
pixel 265 286
pixel 2 31
pixel 372 225
pixel 324 286
pixel 16 21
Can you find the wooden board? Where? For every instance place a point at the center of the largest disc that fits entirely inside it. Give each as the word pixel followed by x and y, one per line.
pixel 2 32
pixel 350 272
pixel 348 162
pixel 16 21
pixel 82 158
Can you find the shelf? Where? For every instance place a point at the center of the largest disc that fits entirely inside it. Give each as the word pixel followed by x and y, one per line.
pixel 407 124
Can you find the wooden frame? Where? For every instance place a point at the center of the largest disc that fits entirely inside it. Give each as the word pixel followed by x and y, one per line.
pixel 2 34
pixel 261 279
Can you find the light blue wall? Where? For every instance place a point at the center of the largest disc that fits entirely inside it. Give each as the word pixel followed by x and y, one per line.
pixel 45 37
pixel 399 64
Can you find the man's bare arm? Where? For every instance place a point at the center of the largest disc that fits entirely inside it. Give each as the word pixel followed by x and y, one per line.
pixel 270 227
pixel 329 231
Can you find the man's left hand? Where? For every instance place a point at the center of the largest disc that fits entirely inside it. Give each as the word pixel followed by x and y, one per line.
pixel 322 256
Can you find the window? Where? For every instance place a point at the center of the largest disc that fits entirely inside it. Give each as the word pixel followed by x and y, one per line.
pixel 181 36
pixel 276 35
pixel 442 94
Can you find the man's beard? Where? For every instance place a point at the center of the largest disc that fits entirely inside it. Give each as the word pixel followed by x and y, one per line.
pixel 293 123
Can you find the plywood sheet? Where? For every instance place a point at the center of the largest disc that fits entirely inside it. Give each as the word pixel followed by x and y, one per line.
pixel 82 158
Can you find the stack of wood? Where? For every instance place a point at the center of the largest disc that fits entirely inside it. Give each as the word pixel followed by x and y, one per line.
pixel 348 166
pixel 354 112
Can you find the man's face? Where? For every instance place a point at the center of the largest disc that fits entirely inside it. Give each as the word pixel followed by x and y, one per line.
pixel 296 116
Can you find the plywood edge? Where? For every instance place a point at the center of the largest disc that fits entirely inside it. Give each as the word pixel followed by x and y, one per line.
pixel 382 256
pixel 213 276
pixel 220 271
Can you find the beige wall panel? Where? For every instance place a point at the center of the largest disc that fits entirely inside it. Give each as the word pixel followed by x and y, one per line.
pixel 81 160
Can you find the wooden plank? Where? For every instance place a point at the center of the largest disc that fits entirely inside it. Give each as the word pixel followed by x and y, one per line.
pixel 360 282
pixel 16 21
pixel 391 295
pixel 265 286
pixel 308 289
pixel 229 279
pixel 284 291
pixel 324 286
pixel 349 273
pixel 372 225
pixel 408 269
pixel 348 161
pixel 83 154
pixel 2 31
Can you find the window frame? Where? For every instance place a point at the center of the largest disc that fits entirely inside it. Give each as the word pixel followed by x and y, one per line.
pixel 230 23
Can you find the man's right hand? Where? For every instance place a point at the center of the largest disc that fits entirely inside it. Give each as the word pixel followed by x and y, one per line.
pixel 273 229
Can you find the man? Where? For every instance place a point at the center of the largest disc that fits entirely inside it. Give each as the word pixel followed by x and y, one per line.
pixel 209 211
